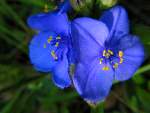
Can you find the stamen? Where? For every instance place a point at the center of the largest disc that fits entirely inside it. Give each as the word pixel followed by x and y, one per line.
pixel 105 68
pixel 121 60
pixel 120 54
pixel 111 52
pixel 57 44
pixel 49 39
pixel 54 55
pixel 115 65
pixel 108 53
pixel 58 38
pixel 101 60
pixel 104 53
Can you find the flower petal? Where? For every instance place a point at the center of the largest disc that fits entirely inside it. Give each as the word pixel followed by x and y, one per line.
pixel 91 82
pixel 60 73
pixel 116 19
pixel 88 37
pixel 40 52
pixel 133 57
pixel 52 21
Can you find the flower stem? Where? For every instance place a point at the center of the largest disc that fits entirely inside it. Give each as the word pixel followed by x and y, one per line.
pixel 98 109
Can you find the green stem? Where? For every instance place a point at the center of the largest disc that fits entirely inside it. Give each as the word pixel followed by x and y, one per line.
pixel 98 109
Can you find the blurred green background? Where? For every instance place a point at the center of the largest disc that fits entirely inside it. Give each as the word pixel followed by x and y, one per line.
pixel 24 90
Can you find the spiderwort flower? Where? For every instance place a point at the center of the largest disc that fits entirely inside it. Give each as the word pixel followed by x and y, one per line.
pixel 105 51
pixel 48 50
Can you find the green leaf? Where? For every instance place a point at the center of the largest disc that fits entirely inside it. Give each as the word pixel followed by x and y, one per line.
pixel 144 98
pixel 8 107
pixel 144 33
pixel 143 69
pixel 138 78
pixel 11 13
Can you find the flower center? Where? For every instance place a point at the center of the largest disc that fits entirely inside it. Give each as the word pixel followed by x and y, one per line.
pixel 54 42
pixel 108 55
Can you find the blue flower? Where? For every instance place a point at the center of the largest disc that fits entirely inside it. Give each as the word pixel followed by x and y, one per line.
pixel 49 49
pixel 104 52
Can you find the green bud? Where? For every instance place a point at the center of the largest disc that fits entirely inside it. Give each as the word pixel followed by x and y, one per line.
pixel 82 6
pixel 104 4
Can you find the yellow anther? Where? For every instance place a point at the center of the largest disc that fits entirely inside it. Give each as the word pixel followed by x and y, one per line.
pixel 57 44
pixel 108 53
pixel 121 60
pixel 54 55
pixel 111 52
pixel 115 65
pixel 104 53
pixel 105 68
pixel 120 54
pixel 49 39
pixel 44 46
pixel 46 8
pixel 58 38
pixel 100 60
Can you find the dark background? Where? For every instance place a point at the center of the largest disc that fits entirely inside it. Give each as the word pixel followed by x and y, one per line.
pixel 24 90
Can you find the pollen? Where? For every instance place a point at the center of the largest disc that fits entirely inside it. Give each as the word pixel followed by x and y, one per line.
pixel 49 39
pixel 101 60
pixel 121 60
pixel 58 38
pixel 111 52
pixel 107 53
pixel 54 55
pixel 105 68
pixel 120 54
pixel 104 53
pixel 57 44
pixel 115 65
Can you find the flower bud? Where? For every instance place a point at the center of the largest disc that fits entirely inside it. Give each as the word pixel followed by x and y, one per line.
pixel 104 4
pixel 82 6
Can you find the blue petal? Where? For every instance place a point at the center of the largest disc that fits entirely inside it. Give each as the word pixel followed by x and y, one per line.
pixel 88 36
pixel 52 21
pixel 60 73
pixel 91 82
pixel 117 21
pixel 132 59
pixel 40 56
